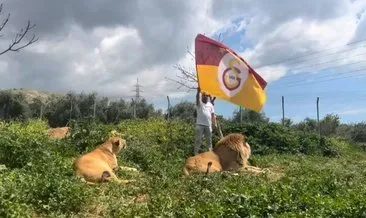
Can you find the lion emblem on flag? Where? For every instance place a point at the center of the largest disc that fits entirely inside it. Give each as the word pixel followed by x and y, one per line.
pixel 232 74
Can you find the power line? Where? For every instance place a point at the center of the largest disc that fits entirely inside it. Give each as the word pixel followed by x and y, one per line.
pixel 325 55
pixel 320 81
pixel 330 61
pixel 308 54
pixel 322 64
pixel 322 76
pixel 322 69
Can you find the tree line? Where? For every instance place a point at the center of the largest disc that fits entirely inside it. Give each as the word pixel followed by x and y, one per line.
pixel 58 110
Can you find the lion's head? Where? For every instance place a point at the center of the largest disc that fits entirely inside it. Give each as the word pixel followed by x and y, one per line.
pixel 233 151
pixel 118 144
pixel 114 144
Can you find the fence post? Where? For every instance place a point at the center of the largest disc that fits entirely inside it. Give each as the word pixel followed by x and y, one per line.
pixel 241 114
pixel 169 124
pixel 283 110
pixel 317 113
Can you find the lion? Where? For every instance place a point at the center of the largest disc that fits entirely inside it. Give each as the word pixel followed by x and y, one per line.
pixel 98 165
pixel 59 132
pixel 231 153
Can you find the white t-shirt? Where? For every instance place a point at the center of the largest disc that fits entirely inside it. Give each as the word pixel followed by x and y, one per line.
pixel 204 112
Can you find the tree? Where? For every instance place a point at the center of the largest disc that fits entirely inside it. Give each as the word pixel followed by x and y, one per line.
pixel 117 111
pixel 16 43
pixel 288 122
pixel 59 111
pixel 329 124
pixel 308 125
pixel 13 106
pixel 249 116
pixel 358 133
pixel 36 107
pixel 144 110
pixel 184 111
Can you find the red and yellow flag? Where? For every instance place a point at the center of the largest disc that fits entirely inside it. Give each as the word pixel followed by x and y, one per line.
pixel 224 74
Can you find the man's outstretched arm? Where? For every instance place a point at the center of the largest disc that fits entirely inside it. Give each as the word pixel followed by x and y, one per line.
pixel 212 100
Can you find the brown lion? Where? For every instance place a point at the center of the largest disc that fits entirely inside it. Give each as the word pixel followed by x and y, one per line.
pixel 97 166
pixel 231 153
pixel 59 133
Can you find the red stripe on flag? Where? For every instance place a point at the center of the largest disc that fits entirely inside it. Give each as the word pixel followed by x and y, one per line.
pixel 208 53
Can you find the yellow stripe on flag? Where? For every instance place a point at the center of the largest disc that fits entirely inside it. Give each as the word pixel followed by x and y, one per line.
pixel 250 96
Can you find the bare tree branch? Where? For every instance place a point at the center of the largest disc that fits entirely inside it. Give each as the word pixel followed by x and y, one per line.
pixel 18 37
pixel 188 77
pixel 6 19
pixel 182 84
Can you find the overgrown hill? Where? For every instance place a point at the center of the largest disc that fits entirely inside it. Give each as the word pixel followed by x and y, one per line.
pixel 30 95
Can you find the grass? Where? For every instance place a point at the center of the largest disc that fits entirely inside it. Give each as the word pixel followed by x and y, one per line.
pixel 296 185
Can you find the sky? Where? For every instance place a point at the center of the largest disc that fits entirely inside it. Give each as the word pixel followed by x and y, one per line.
pixel 303 49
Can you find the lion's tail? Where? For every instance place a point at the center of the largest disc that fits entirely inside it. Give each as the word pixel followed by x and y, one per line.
pixel 209 164
pixel 185 171
pixel 249 149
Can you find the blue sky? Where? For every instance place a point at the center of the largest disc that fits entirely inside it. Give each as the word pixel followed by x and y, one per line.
pixel 95 47
pixel 344 95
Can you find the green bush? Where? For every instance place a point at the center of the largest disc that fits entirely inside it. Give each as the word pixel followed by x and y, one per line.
pixel 87 134
pixel 275 138
pixel 19 140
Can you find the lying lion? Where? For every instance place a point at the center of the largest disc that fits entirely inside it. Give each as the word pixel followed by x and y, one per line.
pixel 97 166
pixel 231 153
pixel 59 133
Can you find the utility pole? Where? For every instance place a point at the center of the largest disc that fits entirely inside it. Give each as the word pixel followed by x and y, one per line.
pixel 134 108
pixel 137 91
pixel 283 110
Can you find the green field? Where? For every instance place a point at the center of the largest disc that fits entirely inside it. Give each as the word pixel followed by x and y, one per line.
pixel 306 176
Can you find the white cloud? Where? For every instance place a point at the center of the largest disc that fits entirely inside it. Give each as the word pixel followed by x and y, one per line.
pixel 356 111
pixel 107 47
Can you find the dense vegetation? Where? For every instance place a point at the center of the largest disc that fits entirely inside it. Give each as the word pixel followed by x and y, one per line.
pixel 307 176
pixel 59 110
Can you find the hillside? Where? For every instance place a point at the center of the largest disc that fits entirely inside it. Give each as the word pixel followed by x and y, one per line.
pixel 30 94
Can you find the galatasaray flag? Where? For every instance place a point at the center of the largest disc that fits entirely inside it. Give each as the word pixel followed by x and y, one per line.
pixel 225 75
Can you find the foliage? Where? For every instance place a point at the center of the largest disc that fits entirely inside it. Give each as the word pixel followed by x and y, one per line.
pixel 185 111
pixel 60 110
pixel 249 116
pixel 358 133
pixel 13 106
pixel 275 138
pixel 37 177
pixel 307 125
pixel 328 125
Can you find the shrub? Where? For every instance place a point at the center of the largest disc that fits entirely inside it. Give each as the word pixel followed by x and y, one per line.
pixel 275 138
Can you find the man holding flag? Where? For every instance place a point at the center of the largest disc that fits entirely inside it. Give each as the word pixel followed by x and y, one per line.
pixel 225 75
pixel 204 121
